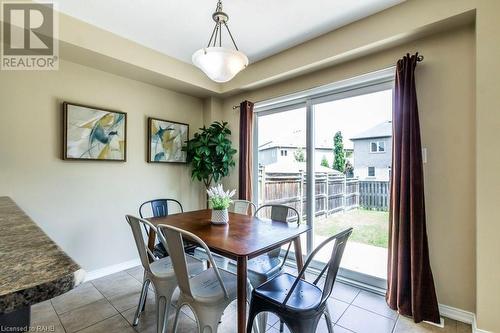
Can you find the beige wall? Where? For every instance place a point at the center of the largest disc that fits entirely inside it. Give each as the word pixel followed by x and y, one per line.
pixel 445 83
pixel 82 205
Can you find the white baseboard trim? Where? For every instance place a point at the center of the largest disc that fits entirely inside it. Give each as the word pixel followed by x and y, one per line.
pixel 462 316
pixel 98 273
pixel 457 314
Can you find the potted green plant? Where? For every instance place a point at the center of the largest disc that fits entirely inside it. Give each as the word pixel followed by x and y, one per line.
pixel 219 201
pixel 210 153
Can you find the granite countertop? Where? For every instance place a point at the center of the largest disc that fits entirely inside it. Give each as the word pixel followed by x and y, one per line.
pixel 32 267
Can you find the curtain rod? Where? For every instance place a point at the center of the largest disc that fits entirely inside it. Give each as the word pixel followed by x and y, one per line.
pixel 420 58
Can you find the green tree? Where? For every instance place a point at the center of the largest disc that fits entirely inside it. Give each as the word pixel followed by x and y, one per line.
pixel 338 152
pixel 299 155
pixel 324 162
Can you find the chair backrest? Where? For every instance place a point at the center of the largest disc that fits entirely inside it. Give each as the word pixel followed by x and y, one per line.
pixel 243 207
pixel 332 267
pixel 144 252
pixel 280 213
pixel 172 239
pixel 159 207
pixel 334 262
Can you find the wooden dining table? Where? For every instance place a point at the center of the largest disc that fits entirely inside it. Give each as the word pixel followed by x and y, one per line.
pixel 243 238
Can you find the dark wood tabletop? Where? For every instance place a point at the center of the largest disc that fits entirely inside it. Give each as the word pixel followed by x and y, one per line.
pixel 243 236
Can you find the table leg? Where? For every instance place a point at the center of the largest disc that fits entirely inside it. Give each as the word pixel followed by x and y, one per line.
pixel 242 294
pixel 151 242
pixel 298 253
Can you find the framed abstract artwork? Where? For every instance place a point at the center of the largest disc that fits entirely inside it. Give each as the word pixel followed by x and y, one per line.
pixel 94 134
pixel 165 141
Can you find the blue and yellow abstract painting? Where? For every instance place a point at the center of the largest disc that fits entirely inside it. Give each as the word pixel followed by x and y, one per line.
pixel 94 134
pixel 166 139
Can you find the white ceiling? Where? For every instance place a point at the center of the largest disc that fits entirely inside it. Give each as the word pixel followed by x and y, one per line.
pixel 261 27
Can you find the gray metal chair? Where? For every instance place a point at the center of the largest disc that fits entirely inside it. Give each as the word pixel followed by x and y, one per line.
pixel 208 293
pixel 159 272
pixel 243 207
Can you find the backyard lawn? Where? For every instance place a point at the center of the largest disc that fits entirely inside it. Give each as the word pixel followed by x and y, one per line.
pixel 370 227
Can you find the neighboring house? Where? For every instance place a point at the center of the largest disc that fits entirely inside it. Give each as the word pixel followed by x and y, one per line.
pixel 278 152
pixel 373 152
pixel 285 148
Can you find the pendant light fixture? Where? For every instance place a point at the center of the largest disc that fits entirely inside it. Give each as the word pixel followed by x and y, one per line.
pixel 219 63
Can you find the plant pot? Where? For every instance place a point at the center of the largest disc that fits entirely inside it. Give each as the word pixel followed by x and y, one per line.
pixel 220 216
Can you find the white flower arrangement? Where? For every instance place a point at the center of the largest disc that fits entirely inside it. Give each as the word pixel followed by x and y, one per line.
pixel 218 198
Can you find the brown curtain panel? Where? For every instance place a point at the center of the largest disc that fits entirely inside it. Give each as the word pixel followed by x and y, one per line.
pixel 246 139
pixel 410 283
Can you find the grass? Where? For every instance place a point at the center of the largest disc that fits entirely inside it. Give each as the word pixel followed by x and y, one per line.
pixel 370 227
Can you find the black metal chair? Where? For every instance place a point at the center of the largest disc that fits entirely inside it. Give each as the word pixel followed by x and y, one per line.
pixel 298 303
pixel 159 208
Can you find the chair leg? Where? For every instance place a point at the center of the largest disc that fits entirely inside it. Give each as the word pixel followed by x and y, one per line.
pixel 142 302
pixel 252 313
pixel 328 319
pixel 162 308
pixel 282 326
pixel 208 318
pixel 176 320
pixel 262 322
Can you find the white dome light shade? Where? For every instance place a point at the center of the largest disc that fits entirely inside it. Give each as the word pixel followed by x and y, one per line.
pixel 220 64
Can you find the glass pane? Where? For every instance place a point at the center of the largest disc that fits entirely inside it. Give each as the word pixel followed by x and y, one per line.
pixel 281 159
pixel 352 183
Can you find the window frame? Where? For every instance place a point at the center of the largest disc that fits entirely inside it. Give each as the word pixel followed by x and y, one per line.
pixel 377 146
pixel 360 85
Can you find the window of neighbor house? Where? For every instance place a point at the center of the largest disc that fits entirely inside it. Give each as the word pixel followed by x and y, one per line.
pixel 371 171
pixel 377 146
pixel 284 153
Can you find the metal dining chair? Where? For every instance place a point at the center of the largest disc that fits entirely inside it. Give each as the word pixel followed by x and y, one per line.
pixel 269 265
pixel 158 208
pixel 159 272
pixel 298 303
pixel 208 293
pixel 243 207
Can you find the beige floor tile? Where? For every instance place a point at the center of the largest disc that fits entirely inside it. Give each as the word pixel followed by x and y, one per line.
pixel 374 303
pixel 363 321
pixel 117 284
pixel 87 315
pixel 115 324
pixel 463 328
pixel 407 325
pixel 136 272
pixel 44 318
pixel 80 296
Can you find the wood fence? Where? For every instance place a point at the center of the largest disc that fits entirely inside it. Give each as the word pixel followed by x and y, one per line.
pixel 333 191
pixel 374 194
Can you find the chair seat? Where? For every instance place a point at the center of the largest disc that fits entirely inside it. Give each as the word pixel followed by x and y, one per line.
pixel 206 288
pixel 162 268
pixel 260 269
pixel 306 296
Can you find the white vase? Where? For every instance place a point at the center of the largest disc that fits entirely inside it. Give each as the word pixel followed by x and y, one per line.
pixel 220 216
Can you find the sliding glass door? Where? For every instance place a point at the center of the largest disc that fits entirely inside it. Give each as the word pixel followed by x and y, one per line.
pixel 327 153
pixel 353 163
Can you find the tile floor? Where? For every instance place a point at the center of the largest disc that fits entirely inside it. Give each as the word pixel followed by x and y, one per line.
pixel 108 304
